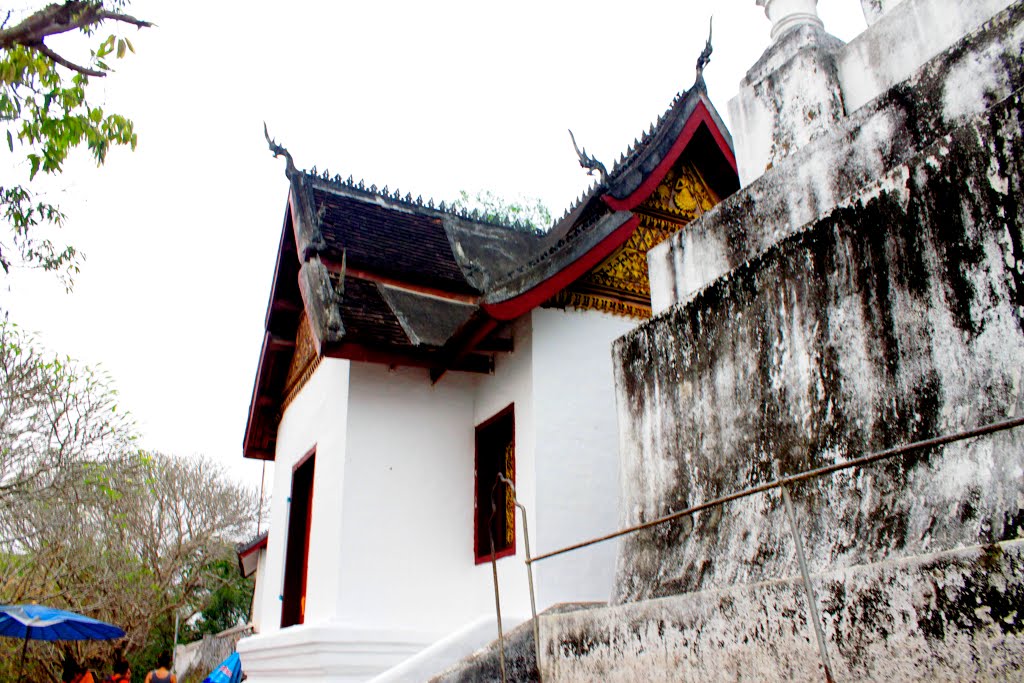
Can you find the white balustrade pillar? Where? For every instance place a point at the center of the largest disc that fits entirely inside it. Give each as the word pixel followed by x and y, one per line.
pixel 791 95
pixel 788 14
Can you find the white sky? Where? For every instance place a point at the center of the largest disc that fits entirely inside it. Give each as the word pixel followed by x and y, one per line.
pixel 430 97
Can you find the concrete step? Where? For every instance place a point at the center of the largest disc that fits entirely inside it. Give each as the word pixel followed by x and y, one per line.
pixel 952 616
pixel 484 666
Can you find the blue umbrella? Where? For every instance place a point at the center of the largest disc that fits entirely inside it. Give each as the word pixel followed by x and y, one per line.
pixel 228 671
pixel 38 622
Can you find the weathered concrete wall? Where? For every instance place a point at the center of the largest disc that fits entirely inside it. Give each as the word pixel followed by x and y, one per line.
pixel 906 35
pixel 897 318
pixel 484 666
pixel 867 291
pixel 953 616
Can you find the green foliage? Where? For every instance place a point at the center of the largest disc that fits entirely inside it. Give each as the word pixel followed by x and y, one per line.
pixel 525 213
pixel 46 113
pixel 226 605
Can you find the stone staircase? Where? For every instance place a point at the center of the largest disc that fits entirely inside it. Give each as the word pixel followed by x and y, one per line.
pixel 484 666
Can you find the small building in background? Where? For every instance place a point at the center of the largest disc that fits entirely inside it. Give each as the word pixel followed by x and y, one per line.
pixel 252 561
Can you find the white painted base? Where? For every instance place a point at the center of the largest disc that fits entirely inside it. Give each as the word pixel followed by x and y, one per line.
pixel 328 652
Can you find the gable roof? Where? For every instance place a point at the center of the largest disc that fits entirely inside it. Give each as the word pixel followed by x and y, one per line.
pixel 390 279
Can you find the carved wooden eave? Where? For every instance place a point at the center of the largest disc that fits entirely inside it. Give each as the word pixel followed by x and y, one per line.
pixel 284 313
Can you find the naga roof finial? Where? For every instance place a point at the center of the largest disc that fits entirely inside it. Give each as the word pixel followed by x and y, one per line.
pixel 279 150
pixel 704 58
pixel 588 162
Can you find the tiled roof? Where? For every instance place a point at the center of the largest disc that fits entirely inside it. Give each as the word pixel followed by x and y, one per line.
pixel 354 187
pixel 368 318
pixel 634 151
pixel 400 244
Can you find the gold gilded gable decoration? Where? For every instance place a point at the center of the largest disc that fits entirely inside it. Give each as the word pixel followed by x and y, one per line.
pixel 620 284
pixel 681 197
pixel 305 361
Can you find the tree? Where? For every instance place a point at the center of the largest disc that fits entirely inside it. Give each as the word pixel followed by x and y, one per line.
pixel 59 422
pixel 527 212
pixel 227 602
pixel 90 523
pixel 46 114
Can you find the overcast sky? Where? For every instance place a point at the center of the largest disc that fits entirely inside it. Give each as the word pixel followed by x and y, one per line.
pixel 429 97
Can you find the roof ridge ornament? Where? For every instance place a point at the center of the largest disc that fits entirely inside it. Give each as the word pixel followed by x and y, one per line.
pixel 279 150
pixel 703 59
pixel 588 162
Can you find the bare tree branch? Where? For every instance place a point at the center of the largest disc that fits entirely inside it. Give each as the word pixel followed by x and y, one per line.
pixel 55 19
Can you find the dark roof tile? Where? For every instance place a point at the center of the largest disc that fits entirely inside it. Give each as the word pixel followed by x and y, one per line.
pixel 367 317
pixel 406 245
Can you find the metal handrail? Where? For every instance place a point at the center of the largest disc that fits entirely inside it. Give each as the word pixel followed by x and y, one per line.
pixel 867 459
pixel 494 574
pixel 502 479
pixel 782 483
pixel 529 572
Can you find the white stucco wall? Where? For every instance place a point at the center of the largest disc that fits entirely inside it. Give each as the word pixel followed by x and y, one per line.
pixel 512 382
pixel 407 519
pixel 316 418
pixel 391 542
pixel 258 580
pixel 576 451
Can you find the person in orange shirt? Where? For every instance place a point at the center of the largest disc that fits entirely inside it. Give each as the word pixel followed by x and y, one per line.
pixel 74 673
pixel 122 673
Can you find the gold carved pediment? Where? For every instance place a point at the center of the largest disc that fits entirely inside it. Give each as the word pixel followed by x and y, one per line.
pixel 620 284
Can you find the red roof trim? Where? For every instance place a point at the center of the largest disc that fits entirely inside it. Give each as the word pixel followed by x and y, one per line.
pixel 511 309
pixel 699 115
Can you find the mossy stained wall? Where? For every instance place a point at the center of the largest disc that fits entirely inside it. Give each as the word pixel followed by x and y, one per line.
pixel 896 317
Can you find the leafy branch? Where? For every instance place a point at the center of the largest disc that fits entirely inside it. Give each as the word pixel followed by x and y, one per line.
pixel 46 114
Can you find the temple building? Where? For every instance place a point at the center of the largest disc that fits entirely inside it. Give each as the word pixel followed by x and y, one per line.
pixel 788 370
pixel 413 353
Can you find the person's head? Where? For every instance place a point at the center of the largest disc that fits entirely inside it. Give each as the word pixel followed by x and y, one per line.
pixel 121 667
pixel 70 669
pixel 164 660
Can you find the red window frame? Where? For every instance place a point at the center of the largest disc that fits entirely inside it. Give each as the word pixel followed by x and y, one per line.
pixel 495 448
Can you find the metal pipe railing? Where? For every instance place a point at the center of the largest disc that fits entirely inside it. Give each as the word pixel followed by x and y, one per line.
pixel 782 483
pixel 795 478
pixel 805 576
pixel 494 573
pixel 502 479
pixel 529 572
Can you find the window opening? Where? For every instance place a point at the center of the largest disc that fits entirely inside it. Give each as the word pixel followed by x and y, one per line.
pixel 293 608
pixel 495 452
